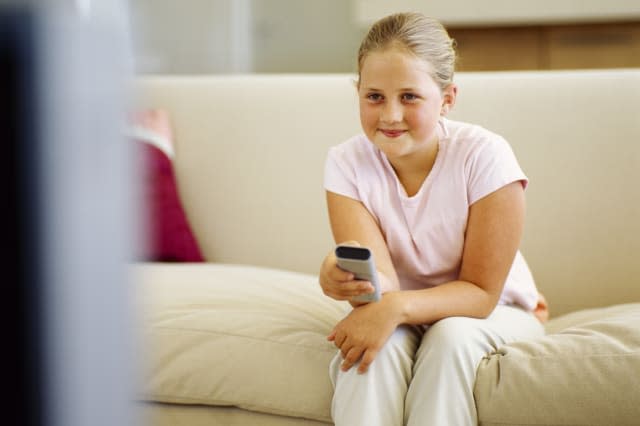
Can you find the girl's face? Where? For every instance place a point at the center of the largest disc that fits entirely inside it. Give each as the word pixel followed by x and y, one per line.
pixel 400 103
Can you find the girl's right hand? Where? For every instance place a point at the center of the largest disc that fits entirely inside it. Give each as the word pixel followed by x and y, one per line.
pixel 338 283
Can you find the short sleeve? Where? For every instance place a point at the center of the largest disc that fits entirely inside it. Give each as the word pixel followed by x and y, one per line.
pixel 339 175
pixel 491 166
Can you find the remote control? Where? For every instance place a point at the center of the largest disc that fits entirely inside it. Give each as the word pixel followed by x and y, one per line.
pixel 359 261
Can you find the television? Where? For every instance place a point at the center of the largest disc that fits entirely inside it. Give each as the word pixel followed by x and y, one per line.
pixel 68 233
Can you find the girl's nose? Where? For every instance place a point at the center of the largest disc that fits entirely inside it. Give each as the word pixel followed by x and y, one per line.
pixel 391 113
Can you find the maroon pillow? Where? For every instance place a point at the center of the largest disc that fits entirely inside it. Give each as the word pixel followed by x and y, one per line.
pixel 169 237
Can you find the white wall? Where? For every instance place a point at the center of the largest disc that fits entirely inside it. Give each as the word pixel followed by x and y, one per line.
pixel 195 36
pixel 270 36
pixel 491 12
pixel 305 36
pixel 220 36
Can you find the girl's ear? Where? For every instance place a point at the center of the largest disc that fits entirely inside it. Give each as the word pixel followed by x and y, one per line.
pixel 448 98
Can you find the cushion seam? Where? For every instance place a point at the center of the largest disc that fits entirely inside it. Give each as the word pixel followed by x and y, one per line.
pixel 218 333
pixel 225 403
pixel 564 357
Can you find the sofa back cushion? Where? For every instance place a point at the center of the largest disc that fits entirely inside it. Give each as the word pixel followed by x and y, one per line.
pixel 250 158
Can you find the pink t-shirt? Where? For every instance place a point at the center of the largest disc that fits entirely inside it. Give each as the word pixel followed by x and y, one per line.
pixel 425 232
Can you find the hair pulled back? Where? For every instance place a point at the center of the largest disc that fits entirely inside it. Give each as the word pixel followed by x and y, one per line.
pixel 422 36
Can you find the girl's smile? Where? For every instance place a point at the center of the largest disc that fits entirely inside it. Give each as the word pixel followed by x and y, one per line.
pixel 392 133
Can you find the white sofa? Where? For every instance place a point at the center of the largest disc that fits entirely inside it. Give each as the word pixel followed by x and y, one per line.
pixel 240 340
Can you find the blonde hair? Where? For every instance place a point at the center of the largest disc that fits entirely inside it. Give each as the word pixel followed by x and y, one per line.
pixel 422 36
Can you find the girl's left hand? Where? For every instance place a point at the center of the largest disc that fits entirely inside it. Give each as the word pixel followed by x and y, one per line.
pixel 541 311
pixel 362 333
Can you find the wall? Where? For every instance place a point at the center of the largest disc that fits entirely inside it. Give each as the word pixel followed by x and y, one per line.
pixel 504 12
pixel 274 36
pixel 198 36
pixel 220 36
pixel 305 36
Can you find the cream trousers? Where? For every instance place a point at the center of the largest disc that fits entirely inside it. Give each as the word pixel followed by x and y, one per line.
pixel 425 375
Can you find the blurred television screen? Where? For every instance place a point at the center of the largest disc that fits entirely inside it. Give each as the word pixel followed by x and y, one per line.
pixel 63 79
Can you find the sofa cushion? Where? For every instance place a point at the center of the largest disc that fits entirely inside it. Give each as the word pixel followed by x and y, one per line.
pixel 584 371
pixel 233 335
pixel 168 234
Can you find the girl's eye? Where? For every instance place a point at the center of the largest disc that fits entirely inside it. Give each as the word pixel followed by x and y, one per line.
pixel 374 97
pixel 409 97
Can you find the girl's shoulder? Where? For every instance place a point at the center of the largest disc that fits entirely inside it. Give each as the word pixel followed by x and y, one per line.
pixel 357 142
pixel 468 138
pixel 356 149
pixel 466 133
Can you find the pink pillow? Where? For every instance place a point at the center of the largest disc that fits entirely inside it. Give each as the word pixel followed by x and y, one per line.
pixel 169 237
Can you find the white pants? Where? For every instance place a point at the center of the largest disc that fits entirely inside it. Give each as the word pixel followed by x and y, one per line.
pixel 425 375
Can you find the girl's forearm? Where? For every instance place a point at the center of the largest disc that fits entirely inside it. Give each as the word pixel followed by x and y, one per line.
pixel 455 298
pixel 387 284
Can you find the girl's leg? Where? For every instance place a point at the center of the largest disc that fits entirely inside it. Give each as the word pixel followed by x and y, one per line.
pixel 376 397
pixel 441 392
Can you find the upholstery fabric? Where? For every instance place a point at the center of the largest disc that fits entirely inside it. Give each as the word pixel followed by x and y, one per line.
pixel 160 414
pixel 576 135
pixel 253 187
pixel 233 335
pixel 588 364
pixel 255 338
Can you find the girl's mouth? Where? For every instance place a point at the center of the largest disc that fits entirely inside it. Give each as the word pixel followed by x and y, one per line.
pixel 392 133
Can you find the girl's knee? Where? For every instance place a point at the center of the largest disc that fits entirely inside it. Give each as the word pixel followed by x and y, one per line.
pixel 397 354
pixel 400 348
pixel 405 338
pixel 459 334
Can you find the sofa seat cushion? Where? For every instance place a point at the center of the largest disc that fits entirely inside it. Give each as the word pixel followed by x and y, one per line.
pixel 586 370
pixel 233 335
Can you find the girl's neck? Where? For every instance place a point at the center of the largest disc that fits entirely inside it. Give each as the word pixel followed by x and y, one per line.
pixel 412 170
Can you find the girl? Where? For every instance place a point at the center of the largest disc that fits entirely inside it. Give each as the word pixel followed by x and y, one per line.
pixel 441 205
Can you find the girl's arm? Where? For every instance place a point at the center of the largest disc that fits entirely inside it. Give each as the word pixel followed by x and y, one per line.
pixel 492 239
pixel 351 223
pixel 493 235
